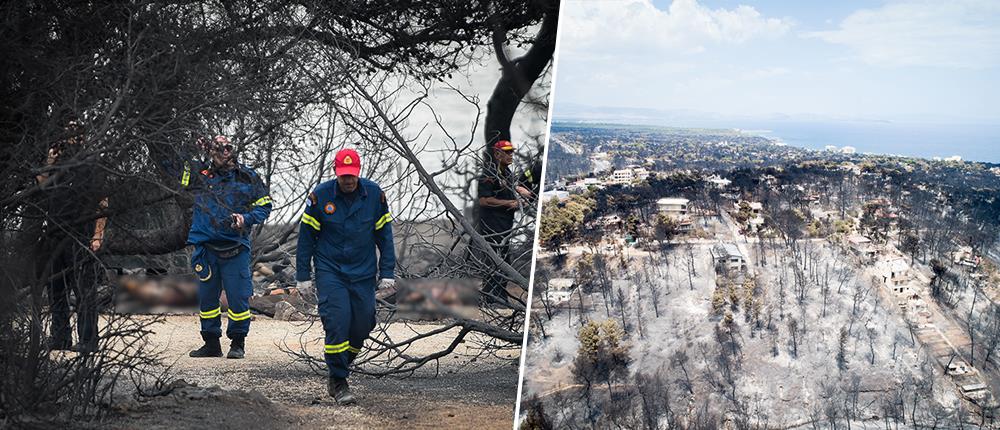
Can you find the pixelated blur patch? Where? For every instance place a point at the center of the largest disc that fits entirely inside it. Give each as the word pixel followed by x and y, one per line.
pixel 312 199
pixel 383 197
pixel 329 208
pixel 432 299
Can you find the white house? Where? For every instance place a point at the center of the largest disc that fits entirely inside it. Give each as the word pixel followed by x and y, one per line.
pixel 556 195
pixel 728 255
pixel 621 177
pixel 756 219
pixel 560 284
pixel 719 182
pixel 559 290
pixel 965 257
pixel 895 273
pixel 640 173
pixel 628 175
pixel 677 209
pixel 862 247
pixel 585 184
pixel 673 206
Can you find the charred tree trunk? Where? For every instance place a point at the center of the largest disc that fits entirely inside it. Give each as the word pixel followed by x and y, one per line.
pixel 518 76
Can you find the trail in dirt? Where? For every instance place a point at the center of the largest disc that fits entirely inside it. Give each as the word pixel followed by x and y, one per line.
pixel 274 392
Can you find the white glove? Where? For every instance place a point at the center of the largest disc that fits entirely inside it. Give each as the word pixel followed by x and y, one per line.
pixel 385 283
pixel 306 289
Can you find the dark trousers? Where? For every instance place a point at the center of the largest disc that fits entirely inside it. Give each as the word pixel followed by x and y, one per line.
pixel 231 275
pixel 75 270
pixel 495 282
pixel 347 310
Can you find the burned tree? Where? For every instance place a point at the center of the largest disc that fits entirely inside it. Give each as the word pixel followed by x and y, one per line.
pixel 149 79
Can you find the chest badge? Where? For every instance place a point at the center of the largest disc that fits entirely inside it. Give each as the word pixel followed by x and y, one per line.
pixel 197 267
pixel 329 208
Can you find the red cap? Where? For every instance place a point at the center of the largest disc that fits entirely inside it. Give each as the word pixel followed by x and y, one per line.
pixel 503 145
pixel 347 162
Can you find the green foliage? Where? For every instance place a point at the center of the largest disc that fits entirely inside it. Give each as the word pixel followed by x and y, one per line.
pixel 603 352
pixel 561 221
pixel 665 228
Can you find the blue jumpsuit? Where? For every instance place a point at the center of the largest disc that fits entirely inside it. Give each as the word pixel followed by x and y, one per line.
pixel 341 236
pixel 217 195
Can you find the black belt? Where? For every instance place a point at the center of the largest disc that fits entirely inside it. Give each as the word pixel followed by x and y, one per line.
pixel 225 249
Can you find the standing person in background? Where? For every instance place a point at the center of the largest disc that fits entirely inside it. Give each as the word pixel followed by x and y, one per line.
pixel 75 194
pixel 230 199
pixel 498 203
pixel 345 221
pixel 530 182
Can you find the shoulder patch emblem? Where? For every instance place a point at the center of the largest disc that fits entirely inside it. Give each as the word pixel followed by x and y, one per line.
pixel 330 208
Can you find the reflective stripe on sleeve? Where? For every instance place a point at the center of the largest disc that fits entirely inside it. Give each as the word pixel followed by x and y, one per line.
pixel 383 221
pixel 266 200
pixel 309 220
pixel 186 176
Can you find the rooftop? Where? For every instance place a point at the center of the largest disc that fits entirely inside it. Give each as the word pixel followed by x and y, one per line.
pixel 672 201
pixel 560 283
pixel 726 250
pixel 858 239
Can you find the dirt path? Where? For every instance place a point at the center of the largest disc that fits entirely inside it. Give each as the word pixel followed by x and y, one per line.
pixel 273 392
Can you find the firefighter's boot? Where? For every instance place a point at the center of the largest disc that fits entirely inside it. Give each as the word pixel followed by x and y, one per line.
pixel 211 348
pixel 236 348
pixel 341 392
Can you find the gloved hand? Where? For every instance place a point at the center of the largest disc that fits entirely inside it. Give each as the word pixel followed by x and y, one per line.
pixel 306 290
pixel 385 289
pixel 385 283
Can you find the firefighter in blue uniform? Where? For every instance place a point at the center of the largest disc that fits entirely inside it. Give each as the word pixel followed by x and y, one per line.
pixel 229 199
pixel 345 221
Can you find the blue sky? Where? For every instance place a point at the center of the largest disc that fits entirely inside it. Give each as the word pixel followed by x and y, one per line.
pixel 884 60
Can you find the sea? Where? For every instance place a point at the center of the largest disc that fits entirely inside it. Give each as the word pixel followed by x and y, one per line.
pixel 971 142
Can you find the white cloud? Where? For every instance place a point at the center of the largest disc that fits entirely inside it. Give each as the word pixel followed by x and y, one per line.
pixel 963 33
pixel 638 27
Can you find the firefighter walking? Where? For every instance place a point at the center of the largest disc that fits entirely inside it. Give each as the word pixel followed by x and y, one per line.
pixel 230 199
pixel 346 220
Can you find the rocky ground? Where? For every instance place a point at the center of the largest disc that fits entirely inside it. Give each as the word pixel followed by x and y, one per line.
pixel 268 390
